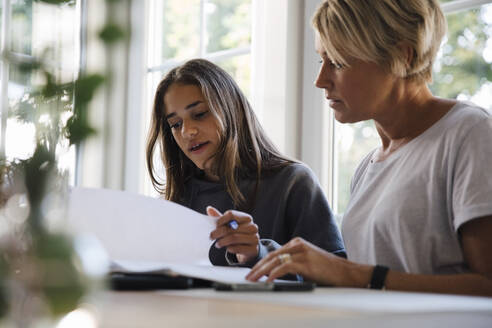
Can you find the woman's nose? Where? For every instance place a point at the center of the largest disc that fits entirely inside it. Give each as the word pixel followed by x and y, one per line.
pixel 324 80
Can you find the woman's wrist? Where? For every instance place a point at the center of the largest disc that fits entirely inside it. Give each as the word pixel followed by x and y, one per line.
pixel 378 277
pixel 355 275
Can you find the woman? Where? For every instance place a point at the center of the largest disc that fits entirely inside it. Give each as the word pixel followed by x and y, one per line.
pixel 216 153
pixel 420 213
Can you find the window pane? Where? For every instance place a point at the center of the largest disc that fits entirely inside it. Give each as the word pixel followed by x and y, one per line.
pixel 352 143
pixel 239 68
pixel 463 68
pixel 51 33
pixel 177 29
pixel 21 27
pixel 228 24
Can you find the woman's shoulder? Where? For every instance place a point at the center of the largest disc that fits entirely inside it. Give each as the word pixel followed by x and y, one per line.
pixel 465 114
pixel 460 121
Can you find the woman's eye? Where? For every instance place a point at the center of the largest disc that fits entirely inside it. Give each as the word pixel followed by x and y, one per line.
pixel 336 65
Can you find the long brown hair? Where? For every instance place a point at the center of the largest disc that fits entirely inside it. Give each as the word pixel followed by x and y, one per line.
pixel 244 150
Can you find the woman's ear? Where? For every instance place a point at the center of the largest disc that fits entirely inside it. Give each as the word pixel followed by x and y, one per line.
pixel 407 53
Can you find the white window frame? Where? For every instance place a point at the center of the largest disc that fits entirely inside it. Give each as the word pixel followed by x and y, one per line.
pixel 292 110
pixel 4 67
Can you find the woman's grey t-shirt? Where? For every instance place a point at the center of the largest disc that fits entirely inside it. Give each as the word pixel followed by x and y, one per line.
pixel 405 211
pixel 289 203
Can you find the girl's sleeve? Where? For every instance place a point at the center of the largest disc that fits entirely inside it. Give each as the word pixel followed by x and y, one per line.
pixel 310 215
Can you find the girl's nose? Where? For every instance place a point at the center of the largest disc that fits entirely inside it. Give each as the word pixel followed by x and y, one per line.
pixel 189 130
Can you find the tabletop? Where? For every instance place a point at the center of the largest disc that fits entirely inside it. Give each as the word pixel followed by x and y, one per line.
pixel 334 307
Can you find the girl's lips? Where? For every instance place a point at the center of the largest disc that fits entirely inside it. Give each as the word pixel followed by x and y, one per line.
pixel 197 149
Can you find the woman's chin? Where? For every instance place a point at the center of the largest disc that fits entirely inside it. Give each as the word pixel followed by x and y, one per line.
pixel 341 118
pixel 344 118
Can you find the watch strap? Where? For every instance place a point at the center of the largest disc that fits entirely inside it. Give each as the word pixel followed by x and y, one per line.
pixel 378 277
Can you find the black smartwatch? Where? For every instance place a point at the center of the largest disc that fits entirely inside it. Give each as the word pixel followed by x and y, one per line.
pixel 378 277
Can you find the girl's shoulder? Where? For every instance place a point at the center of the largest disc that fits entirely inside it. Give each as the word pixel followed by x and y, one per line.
pixel 291 172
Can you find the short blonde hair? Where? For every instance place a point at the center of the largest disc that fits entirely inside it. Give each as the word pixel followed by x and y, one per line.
pixel 373 31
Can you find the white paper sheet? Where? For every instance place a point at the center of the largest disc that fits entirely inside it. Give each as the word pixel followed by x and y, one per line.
pixel 138 228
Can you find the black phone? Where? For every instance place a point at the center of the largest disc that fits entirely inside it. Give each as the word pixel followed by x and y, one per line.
pixel 287 286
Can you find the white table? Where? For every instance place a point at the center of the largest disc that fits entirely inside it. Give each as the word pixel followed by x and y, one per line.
pixel 325 307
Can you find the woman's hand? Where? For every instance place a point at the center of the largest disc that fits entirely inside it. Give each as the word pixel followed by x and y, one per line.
pixel 243 241
pixel 313 263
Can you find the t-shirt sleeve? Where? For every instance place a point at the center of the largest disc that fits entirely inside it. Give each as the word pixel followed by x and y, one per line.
pixel 309 214
pixel 472 175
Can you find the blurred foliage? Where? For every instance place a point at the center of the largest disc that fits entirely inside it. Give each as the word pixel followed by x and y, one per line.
pixel 462 69
pixel 228 24
pixel 60 281
pixel 36 263
pixel 112 33
pixel 180 29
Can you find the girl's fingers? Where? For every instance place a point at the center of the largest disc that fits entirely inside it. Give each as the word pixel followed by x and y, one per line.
pixel 228 216
pixel 238 239
pixel 243 249
pixel 212 211
pixel 224 230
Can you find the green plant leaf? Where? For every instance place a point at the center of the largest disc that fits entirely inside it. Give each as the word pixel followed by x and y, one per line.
pixel 85 87
pixel 112 33
pixel 78 129
pixel 62 283
pixel 37 171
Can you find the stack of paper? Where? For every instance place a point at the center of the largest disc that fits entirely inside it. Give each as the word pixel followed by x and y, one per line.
pixel 144 234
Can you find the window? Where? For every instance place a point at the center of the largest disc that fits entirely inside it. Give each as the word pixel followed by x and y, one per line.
pixel 34 29
pixel 218 30
pixel 463 70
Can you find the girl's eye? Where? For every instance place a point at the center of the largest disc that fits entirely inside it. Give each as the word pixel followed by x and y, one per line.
pixel 175 125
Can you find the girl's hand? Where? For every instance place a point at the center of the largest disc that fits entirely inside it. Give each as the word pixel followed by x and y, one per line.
pixel 313 263
pixel 242 241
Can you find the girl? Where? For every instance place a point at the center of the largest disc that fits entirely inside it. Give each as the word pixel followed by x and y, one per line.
pixel 215 153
